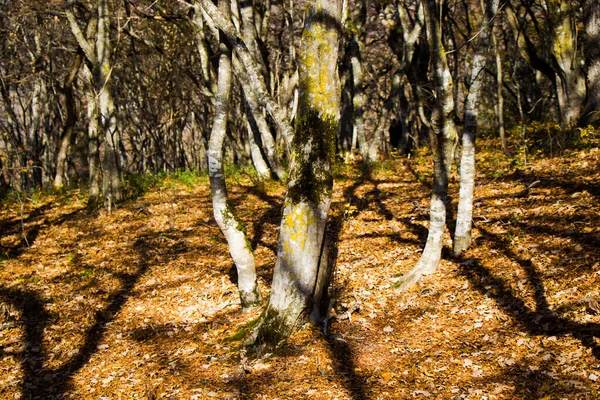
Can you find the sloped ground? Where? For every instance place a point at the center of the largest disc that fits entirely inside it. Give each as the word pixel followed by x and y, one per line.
pixel 141 303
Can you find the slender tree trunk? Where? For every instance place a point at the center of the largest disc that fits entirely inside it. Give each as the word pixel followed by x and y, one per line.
pixel 94 195
pixel 251 68
pixel 592 59
pixel 296 286
pixel 111 176
pixel 355 49
pixel 255 112
pixel 445 138
pixel 231 226
pixel 67 133
pixel 500 95
pixel 202 46
pixel 262 169
pixel 464 216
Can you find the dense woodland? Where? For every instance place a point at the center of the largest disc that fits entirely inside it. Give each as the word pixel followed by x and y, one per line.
pixel 185 183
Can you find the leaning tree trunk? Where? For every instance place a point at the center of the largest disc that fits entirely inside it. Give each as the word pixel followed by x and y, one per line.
pixel 295 286
pixel 445 138
pixel 231 226
pixel 592 59
pixel 255 112
pixel 464 216
pixel 259 87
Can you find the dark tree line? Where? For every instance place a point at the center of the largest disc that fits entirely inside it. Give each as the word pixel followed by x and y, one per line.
pixel 93 90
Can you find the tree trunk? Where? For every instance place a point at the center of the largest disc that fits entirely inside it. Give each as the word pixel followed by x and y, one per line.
pixel 262 169
pixel 111 176
pixel 571 84
pixel 464 216
pixel 592 60
pixel 300 247
pixel 255 112
pixel 445 138
pixel 94 199
pixel 355 50
pixel 500 95
pixel 231 226
pixel 65 137
pixel 259 86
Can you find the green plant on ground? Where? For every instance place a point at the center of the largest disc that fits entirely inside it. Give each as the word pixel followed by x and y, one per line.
pixel 190 178
pixel 136 184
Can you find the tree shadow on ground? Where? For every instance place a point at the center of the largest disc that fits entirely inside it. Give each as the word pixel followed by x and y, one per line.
pixel 47 383
pixel 549 181
pixel 342 354
pixel 539 321
pixel 272 215
pixel 27 232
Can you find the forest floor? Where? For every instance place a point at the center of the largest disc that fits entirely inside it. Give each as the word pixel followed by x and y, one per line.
pixel 142 304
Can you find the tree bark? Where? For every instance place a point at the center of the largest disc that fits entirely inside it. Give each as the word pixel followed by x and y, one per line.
pixel 67 132
pixel 445 138
pixel 251 68
pixel 500 95
pixel 592 59
pixel 94 195
pixel 464 215
pixel 571 85
pixel 296 286
pixel 355 50
pixel 231 226
pixel 111 175
pixel 255 112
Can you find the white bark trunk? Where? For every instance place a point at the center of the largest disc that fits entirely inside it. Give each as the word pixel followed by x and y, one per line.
pixel 93 140
pixel 258 83
pixel 500 95
pixel 262 169
pixel 111 179
pixel 445 136
pixel 261 123
pixel 464 215
pixel 300 244
pixel 231 226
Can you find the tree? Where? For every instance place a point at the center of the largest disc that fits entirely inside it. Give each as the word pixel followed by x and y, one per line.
pixel 571 83
pixel 231 226
pixel 301 273
pixel 98 54
pixel 592 60
pixel 464 216
pixel 445 139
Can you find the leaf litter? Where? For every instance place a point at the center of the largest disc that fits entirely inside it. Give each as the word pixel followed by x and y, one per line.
pixel 142 303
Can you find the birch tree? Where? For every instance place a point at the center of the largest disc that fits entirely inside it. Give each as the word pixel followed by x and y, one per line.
pixel 444 139
pixel 464 216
